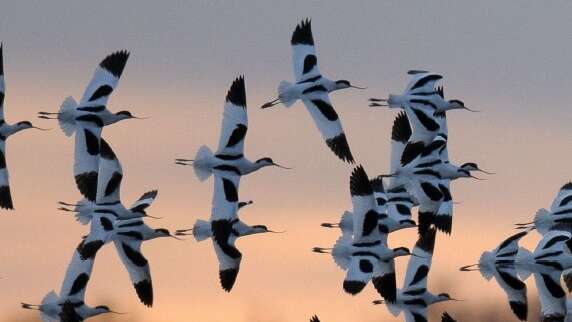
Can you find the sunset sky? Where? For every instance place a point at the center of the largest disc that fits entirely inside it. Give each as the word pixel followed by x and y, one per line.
pixel 509 59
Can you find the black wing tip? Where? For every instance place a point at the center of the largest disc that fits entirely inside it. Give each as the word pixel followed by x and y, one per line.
pixel 237 92
pixel 441 93
pixel 401 130
pixel 359 182
pixel 115 63
pixel 105 150
pixel 1 59
pixel 444 223
pixel 519 309
pixel 339 145
pixel 6 198
pixel 411 151
pixel 87 184
pixel 353 287
pixel 144 291
pixel 377 185
pixel 386 286
pixel 149 194
pixel 228 278
pixel 314 318
pixel 426 240
pixel 567 186
pixel 446 317
pixel 303 33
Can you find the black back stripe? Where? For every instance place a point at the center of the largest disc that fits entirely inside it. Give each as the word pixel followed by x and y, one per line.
pixel 237 135
pixel 230 191
pixel 100 92
pixel 315 88
pixel 92 109
pixel 428 123
pixel 326 109
pixel 237 92
pixel 309 63
pixel 79 284
pixel 91 142
pixel 424 80
pixel 134 256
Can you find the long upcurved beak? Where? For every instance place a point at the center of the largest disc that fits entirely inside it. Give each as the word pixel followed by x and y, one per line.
pixel 456 300
pixel 115 312
pixel 352 86
pixel 152 217
pixel 276 232
pixel 477 178
pixel 183 232
pixel 177 238
pixel 470 110
pixel 140 117
pixel 387 175
pixel 470 268
pixel 524 224
pixel 321 250
pixel 483 171
pixel 280 166
pixel 39 128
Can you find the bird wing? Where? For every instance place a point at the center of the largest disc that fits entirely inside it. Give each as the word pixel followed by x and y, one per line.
pixel 515 290
pixel 234 121
pixel 552 296
pixel 304 53
pixel 384 280
pixel 365 216
pixel 422 82
pixel 2 84
pixel 326 119
pixel 359 273
pixel 225 195
pixel 563 200
pixel 419 264
pixel 400 134
pixel 228 255
pixel 110 175
pixel 87 151
pixel 551 242
pixel 144 202
pixel 415 314
pixel 138 268
pixel 103 83
pixel 77 276
pixel 5 195
pixel 447 318
pixel 508 249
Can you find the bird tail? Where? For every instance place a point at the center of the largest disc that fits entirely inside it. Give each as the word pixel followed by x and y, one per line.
pixel 523 256
pixel 444 217
pixel 202 230
pixel 65 118
pixel 542 215
pixel 84 210
pixel 341 252
pixel 286 94
pixel 202 171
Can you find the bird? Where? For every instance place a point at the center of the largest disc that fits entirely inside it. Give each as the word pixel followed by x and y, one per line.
pixel 224 227
pixel 230 153
pixel 108 192
pixel 421 101
pixel 312 88
pixel 366 256
pixel 69 306
pixel 6 130
pixel 314 318
pixel 559 216
pixel 414 298
pixel 500 264
pixel 88 118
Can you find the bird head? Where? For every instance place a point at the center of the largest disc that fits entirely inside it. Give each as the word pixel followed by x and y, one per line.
pixel 342 83
pixel 264 162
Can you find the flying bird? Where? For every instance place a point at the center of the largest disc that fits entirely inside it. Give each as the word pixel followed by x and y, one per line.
pixel 7 130
pixel 230 153
pixel 69 306
pixel 224 227
pixel 312 89
pixel 88 118
pixel 500 264
pixel 314 319
pixel 558 217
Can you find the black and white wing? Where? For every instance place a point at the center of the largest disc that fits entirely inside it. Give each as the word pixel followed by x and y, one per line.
pixel 103 83
pixel 365 216
pixel 447 318
pixel 506 252
pixel 304 53
pixel 514 289
pixel 422 82
pixel 234 121
pixel 101 230
pixel 562 204
pixel 5 195
pixel 77 276
pixel 551 245
pixel 552 296
pixel 400 134
pixel 415 313
pixel 86 154
pixel 419 265
pixel 225 195
pixel 144 202
pixel 110 175
pixel 384 280
pixel 138 268
pixel 2 84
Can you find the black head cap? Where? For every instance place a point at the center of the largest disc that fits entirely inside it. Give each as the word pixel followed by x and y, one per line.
pixel 103 307
pixel 303 33
pixel 126 113
pixel 343 82
pixel 567 186
pixel 269 160
pixel 458 102
pixel 237 92
pixel 28 123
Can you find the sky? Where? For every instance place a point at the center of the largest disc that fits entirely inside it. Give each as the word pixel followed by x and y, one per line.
pixel 508 59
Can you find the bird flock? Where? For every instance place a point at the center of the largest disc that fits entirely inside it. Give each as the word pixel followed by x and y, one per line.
pixel 420 175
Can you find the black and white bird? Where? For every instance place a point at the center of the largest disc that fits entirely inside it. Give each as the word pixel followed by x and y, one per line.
pixel 224 227
pixel 312 89
pixel 108 192
pixel 366 256
pixel 7 130
pixel 414 298
pixel 559 216
pixel 88 118
pixel 69 306
pixel 500 264
pixel 230 153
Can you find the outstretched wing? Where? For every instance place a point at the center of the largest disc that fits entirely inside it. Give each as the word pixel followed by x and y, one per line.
pixel 104 81
pixel 86 156
pixel 419 265
pixel 2 84
pixel 384 280
pixel 415 314
pixel 110 175
pixel 400 134
pixel 144 202
pixel 138 268
pixel 552 296
pixel 447 318
pixel 5 195
pixel 77 276
pixel 365 216
pixel 235 120
pixel 326 119
pixel 515 290
pixel 563 200
pixel 359 273
pixel 228 255
pixel 422 82
pixel 508 249
pixel 304 53
pixel 225 195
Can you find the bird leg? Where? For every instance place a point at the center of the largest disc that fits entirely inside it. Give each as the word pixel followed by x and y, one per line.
pixel 329 225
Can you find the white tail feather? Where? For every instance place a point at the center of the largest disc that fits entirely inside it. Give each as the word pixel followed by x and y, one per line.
pixel 285 93
pixel 523 256
pixel 543 220
pixel 202 171
pixel 341 252
pixel 65 116
pixel 84 211
pixel 202 230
